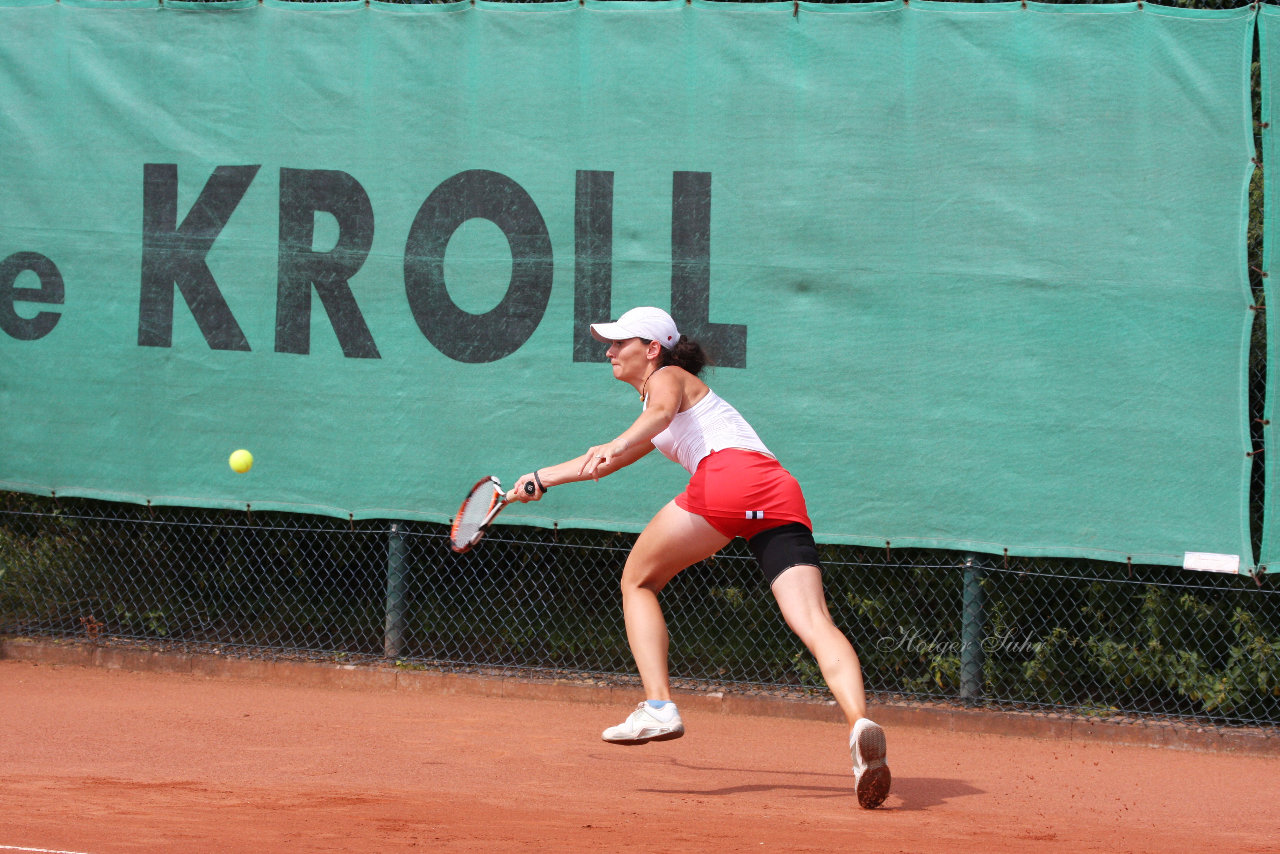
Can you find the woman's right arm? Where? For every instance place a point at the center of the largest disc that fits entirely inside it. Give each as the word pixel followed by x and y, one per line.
pixel 570 471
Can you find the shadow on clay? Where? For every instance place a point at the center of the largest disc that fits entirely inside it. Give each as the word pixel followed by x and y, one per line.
pixel 908 793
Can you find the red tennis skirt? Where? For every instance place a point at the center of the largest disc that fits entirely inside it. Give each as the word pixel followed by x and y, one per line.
pixel 741 493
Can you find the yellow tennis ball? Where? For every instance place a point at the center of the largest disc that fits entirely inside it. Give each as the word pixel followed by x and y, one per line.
pixel 241 461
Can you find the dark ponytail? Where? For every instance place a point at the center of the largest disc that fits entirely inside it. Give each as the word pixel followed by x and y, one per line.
pixel 686 354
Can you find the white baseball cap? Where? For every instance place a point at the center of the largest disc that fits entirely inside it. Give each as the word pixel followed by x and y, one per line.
pixel 652 324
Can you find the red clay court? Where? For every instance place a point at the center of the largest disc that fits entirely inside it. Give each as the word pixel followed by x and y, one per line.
pixel 148 753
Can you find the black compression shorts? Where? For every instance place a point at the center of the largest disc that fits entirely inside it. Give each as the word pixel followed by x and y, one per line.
pixel 778 549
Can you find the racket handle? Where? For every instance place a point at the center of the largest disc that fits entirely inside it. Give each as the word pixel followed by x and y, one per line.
pixel 529 488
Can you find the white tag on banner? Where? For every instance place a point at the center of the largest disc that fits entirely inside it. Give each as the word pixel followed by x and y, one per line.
pixel 1210 562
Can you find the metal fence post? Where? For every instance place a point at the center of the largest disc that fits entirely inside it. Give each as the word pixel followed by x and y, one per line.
pixel 972 654
pixel 393 635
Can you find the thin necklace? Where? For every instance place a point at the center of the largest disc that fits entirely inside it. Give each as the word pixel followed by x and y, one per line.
pixel 645 384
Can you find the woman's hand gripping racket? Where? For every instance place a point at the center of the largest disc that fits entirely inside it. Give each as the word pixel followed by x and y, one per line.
pixel 481 506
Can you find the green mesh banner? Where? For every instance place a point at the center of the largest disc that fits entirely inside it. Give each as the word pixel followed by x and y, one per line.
pixel 1269 42
pixel 974 272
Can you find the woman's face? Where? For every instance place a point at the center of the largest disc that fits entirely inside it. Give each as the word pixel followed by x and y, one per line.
pixel 630 360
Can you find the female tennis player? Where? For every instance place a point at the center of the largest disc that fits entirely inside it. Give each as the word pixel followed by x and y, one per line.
pixel 738 489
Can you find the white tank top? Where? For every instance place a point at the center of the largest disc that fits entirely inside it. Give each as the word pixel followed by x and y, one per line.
pixel 709 425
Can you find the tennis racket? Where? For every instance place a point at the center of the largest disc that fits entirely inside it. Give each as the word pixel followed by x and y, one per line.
pixel 481 506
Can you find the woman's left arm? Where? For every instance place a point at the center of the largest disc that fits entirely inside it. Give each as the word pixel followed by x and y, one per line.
pixel 665 396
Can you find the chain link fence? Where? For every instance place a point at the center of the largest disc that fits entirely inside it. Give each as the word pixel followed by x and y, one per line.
pixel 1042 635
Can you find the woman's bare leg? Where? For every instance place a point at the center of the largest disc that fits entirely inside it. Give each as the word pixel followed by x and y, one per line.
pixel 673 540
pixel 803 603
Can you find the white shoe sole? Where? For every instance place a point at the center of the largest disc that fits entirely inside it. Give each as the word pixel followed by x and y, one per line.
pixel 873 787
pixel 873 784
pixel 645 739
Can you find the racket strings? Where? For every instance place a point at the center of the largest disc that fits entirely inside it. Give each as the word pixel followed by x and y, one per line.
pixel 473 512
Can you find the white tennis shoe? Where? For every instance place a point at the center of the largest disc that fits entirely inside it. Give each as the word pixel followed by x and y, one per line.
pixel 645 725
pixel 870 768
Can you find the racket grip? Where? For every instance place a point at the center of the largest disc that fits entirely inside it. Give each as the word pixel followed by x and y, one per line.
pixel 529 488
